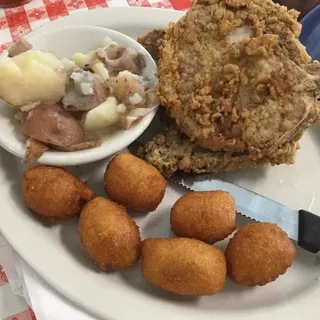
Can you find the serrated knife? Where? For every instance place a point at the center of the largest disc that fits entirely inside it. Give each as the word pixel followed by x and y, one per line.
pixel 300 225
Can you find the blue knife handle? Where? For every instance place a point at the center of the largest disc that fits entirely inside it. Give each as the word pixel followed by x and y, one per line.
pixel 309 231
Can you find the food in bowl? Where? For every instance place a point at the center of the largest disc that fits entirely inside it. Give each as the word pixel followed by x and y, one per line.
pixel 66 104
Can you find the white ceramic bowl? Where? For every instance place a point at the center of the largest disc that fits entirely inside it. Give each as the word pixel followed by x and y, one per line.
pixel 64 43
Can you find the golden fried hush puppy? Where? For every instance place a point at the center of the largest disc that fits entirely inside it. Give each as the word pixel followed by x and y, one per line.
pixel 183 266
pixel 109 236
pixel 54 193
pixel 258 254
pixel 209 216
pixel 134 183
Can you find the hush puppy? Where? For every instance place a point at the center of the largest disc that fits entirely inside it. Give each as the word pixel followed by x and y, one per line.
pixel 183 266
pixel 54 193
pixel 109 236
pixel 258 254
pixel 209 216
pixel 134 183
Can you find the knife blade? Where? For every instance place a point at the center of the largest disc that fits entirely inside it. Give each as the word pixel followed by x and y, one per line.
pixel 300 225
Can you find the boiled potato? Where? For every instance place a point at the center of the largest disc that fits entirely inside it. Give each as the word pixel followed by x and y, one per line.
pixel 100 69
pixel 54 193
pixel 209 216
pixel 83 60
pixel 109 236
pixel 258 254
pixel 183 266
pixel 102 116
pixel 134 183
pixel 30 77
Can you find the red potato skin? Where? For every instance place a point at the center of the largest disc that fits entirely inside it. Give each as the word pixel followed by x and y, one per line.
pixel 53 125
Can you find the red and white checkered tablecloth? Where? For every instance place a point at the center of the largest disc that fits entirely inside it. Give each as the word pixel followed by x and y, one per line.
pixel 24 313
pixel 15 22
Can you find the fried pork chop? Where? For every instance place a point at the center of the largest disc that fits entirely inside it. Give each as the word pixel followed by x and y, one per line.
pixel 234 76
pixel 173 151
pixel 151 42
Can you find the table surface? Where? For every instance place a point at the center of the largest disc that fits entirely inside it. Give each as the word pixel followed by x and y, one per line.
pixel 12 306
pixel 15 22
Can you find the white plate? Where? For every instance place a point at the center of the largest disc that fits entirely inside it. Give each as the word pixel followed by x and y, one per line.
pixel 56 254
pixel 64 42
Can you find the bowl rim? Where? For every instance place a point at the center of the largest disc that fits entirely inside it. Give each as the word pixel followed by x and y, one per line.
pixel 62 158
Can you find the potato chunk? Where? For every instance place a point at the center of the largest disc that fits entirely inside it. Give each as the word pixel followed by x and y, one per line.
pixel 32 76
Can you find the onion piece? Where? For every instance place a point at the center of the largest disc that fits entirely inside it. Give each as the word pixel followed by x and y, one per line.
pixel 140 112
pixel 136 99
pixel 127 121
pixel 18 47
pixel 107 41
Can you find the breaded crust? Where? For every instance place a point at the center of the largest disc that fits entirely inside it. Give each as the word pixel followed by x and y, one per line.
pixel 173 151
pixel 238 93
pixel 183 266
pixel 151 42
pixel 209 216
pixel 109 236
pixel 258 254
pixel 134 183
pixel 54 193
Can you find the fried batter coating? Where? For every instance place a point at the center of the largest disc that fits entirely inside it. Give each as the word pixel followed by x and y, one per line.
pixel 173 151
pixel 151 42
pixel 235 77
pixel 183 266
pixel 209 216
pixel 258 254
pixel 54 193
pixel 134 183
pixel 109 236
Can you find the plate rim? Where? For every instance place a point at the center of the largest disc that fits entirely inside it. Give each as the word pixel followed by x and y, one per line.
pixel 294 310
